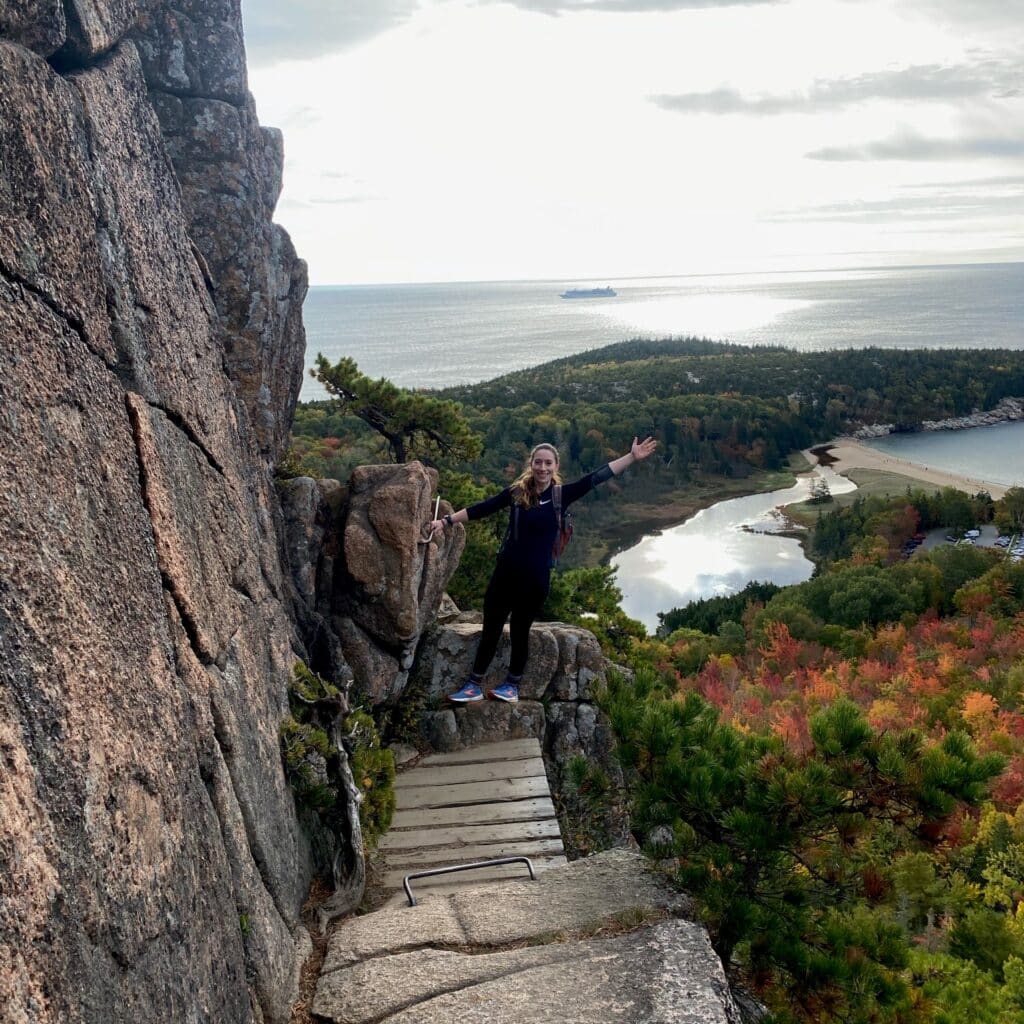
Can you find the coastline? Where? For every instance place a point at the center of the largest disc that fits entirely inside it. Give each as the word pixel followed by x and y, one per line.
pixel 845 453
pixel 1007 410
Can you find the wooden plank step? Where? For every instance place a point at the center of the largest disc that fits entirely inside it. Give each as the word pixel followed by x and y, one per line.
pixel 475 814
pixel 504 750
pixel 487 771
pixel 423 838
pixel 393 879
pixel 470 793
pixel 437 856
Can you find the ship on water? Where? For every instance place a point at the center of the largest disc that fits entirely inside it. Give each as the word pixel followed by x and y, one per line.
pixel 588 293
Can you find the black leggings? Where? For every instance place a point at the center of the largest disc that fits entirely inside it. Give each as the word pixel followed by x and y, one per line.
pixel 516 593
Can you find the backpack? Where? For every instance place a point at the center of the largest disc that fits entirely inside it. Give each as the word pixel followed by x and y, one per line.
pixel 564 520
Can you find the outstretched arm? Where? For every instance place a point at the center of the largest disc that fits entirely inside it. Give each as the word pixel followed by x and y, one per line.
pixel 462 516
pixel 638 451
pixel 482 508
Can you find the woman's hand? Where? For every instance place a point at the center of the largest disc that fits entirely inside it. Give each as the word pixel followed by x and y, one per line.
pixel 641 449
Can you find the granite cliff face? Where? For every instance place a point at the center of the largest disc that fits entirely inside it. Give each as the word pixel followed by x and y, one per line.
pixel 153 598
pixel 151 865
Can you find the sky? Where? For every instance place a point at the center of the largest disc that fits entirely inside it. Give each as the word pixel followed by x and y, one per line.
pixel 596 140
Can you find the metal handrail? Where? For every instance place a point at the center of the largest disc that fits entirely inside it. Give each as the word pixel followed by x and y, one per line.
pixel 464 867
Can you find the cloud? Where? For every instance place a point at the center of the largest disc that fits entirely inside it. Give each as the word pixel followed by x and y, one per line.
pixel 302 29
pixel 995 14
pixel 929 82
pixel 345 200
pixel 1002 180
pixel 906 207
pixel 911 146
pixel 633 6
pixel 352 200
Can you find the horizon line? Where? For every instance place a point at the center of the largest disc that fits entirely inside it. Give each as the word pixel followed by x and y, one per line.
pixel 650 277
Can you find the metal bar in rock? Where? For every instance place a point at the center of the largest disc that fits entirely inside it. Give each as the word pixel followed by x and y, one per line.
pixel 475 814
pixel 458 854
pixel 504 750
pixel 393 879
pixel 470 793
pixel 485 771
pixel 494 832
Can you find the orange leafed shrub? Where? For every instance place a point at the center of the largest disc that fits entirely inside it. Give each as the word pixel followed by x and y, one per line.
pixel 979 709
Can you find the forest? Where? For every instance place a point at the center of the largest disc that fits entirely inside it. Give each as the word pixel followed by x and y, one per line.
pixel 726 418
pixel 834 770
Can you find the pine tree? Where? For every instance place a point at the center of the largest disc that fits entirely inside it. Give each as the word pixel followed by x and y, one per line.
pixel 413 424
pixel 776 846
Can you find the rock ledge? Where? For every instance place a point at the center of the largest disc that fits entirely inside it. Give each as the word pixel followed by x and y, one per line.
pixel 524 952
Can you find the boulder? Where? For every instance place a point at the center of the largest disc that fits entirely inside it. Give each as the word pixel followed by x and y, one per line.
pixel 378 674
pixel 94 27
pixel 392 581
pixel 38 25
pixel 193 48
pixel 564 662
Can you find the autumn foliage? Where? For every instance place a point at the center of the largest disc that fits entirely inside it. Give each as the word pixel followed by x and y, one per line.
pixel 837 774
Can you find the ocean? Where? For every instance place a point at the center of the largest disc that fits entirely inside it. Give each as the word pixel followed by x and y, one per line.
pixel 994 453
pixel 432 335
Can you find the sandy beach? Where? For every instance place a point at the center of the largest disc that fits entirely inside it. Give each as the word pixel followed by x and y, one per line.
pixel 844 454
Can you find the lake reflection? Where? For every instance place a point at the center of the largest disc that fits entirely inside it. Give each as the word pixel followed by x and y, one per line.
pixel 717 552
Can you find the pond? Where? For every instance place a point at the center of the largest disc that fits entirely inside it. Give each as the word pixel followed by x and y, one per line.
pixel 717 552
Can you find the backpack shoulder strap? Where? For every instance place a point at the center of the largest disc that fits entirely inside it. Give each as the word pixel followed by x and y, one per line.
pixel 556 500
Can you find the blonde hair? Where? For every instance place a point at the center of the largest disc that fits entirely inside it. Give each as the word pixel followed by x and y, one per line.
pixel 524 487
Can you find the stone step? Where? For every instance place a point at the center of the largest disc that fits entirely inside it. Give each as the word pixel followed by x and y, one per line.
pixel 440 856
pixel 473 772
pixel 504 750
pixel 414 797
pixel 475 814
pixel 454 835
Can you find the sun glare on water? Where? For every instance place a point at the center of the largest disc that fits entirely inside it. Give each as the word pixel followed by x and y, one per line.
pixel 711 316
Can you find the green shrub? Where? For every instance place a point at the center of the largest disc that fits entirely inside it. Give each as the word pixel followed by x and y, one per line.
pixel 313 762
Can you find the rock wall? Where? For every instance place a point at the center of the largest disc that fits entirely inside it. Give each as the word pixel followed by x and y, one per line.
pixel 151 865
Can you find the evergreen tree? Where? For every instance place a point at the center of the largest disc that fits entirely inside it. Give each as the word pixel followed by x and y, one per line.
pixel 776 845
pixel 414 424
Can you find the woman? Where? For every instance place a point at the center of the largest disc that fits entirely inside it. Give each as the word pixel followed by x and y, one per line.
pixel 522 575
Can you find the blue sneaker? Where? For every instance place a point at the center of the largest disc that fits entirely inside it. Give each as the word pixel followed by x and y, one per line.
pixel 467 695
pixel 508 692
